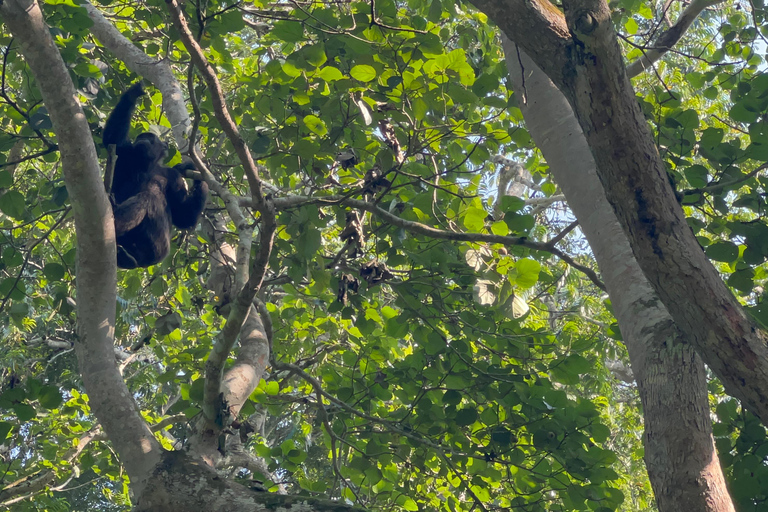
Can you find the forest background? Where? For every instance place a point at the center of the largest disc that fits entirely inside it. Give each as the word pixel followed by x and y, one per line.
pixel 441 267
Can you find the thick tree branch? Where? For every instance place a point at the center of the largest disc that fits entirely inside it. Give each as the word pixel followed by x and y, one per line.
pixel 219 105
pixel 157 71
pixel 16 161
pixel 160 74
pixel 682 463
pixel 539 26
pixel 630 168
pixel 243 304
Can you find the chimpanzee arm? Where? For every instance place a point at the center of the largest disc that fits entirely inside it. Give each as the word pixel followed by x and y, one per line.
pixel 185 208
pixel 183 167
pixel 119 121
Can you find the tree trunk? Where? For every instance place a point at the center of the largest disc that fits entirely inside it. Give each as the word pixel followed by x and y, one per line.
pixel 679 448
pixel 108 395
pixel 181 483
pixel 583 58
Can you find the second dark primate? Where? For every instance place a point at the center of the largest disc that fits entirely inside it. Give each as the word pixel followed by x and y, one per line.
pixel 148 196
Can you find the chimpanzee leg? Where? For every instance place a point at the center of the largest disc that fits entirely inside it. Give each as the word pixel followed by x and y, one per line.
pixel 130 213
pixel 125 259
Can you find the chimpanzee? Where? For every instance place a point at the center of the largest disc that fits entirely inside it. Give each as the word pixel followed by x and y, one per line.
pixel 148 196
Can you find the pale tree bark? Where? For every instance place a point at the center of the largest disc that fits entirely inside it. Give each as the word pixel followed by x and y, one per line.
pixel 680 453
pixel 157 71
pixel 96 260
pixel 241 379
pixel 583 59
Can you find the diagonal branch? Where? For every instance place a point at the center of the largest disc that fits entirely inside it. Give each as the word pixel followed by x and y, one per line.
pixel 157 71
pixel 219 105
pixel 214 366
pixel 670 37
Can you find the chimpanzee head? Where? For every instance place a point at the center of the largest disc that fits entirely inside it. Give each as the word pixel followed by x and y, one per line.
pixel 151 145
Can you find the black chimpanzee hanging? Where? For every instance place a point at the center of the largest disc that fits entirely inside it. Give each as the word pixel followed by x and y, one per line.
pixel 148 196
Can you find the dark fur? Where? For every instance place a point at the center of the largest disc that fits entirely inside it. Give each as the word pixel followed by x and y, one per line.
pixel 148 196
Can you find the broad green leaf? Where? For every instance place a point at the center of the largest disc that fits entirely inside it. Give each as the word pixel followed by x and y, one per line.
pixel 527 272
pixel 474 219
pixel 316 125
pixel 54 271
pixel 50 397
pixel 12 204
pixel 363 72
pixel 24 412
pixel 466 416
pixel 330 74
pixel 723 251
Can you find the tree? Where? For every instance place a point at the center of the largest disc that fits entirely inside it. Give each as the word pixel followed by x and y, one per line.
pixel 634 179
pixel 381 324
pixel 682 463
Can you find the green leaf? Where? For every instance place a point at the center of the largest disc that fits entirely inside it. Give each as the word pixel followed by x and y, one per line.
pixel 435 11
pixel 512 204
pixel 520 224
pixel 577 364
pixel 316 125
pixel 309 242
pixel 466 416
pixel 743 112
pixel 11 257
pixel 485 84
pixel 288 31
pixel 363 72
pixel 452 397
pixel 196 390
pixel 24 412
pixel 502 436
pixel 723 251
pixel 5 429
pixel 16 288
pixel 600 432
pixel 697 175
pixel 500 228
pixel 50 397
pixel 54 271
pixel 407 503
pixel 6 180
pixel 12 204
pixel 7 141
pixel 231 21
pixel 711 137
pixel 309 57
pixel 741 280
pixel 544 439
pixel 330 74
pixel 474 219
pixel 527 272
pixel 19 310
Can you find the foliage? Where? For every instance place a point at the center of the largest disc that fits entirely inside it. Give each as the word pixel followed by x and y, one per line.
pixel 471 375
